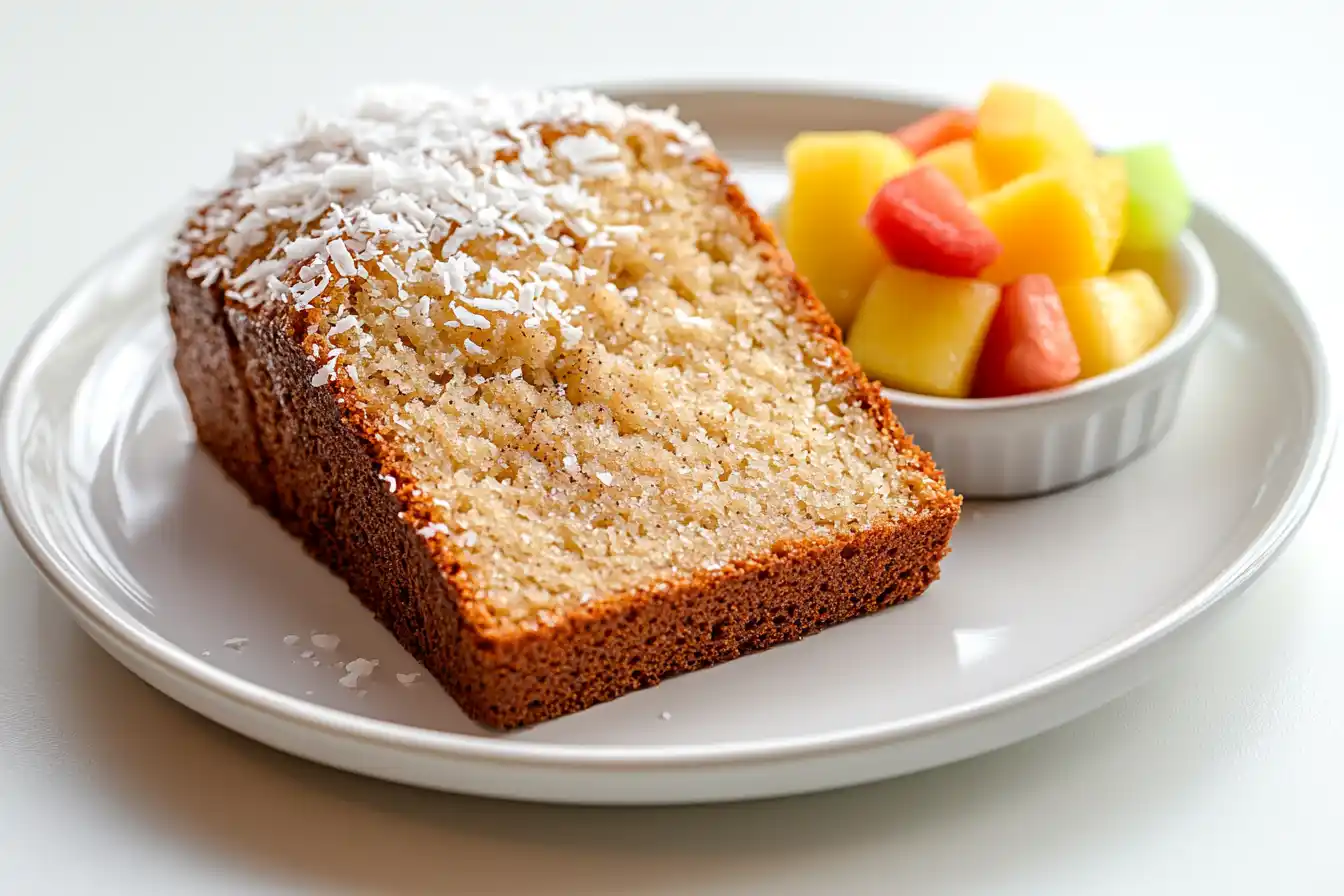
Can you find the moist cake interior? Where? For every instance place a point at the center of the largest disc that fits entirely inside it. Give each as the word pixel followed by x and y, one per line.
pixel 551 311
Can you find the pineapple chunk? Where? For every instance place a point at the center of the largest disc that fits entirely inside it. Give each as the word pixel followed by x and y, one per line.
pixel 1065 222
pixel 922 332
pixel 1111 186
pixel 834 176
pixel 1019 131
pixel 1114 319
pixel 957 160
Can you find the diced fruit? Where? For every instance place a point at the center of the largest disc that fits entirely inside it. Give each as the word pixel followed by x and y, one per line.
pixel 922 332
pixel 957 160
pixel 834 177
pixel 923 222
pixel 1019 131
pixel 1062 222
pixel 1029 347
pixel 1112 192
pixel 1114 319
pixel 1159 206
pixel 937 129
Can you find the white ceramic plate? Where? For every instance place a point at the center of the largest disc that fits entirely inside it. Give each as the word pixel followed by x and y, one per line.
pixel 1046 608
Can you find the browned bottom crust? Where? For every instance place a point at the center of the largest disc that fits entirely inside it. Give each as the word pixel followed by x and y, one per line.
pixel 593 657
pixel 286 443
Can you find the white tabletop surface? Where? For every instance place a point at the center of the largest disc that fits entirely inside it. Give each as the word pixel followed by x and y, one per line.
pixel 1222 777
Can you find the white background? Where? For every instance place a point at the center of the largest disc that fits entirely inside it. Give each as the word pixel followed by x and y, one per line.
pixel 1223 777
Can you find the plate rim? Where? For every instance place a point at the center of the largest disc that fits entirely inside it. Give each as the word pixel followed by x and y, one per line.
pixel 91 608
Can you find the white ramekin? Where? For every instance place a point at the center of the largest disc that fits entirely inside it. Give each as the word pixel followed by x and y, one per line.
pixel 1029 445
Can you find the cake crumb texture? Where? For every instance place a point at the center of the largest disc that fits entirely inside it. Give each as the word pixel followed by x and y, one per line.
pixel 585 378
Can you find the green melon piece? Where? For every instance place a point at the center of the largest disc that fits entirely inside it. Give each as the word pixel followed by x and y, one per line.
pixel 1159 205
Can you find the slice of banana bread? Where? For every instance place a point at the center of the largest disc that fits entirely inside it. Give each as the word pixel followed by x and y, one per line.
pixel 532 377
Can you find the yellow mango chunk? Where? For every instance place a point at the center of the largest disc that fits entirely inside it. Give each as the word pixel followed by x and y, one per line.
pixel 1065 222
pixel 922 332
pixel 1112 197
pixel 1115 319
pixel 1019 131
pixel 957 160
pixel 833 178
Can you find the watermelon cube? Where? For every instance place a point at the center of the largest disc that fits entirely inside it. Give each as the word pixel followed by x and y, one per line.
pixel 1029 347
pixel 923 223
pixel 936 129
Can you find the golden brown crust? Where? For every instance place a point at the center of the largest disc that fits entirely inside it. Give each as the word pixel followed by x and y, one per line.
pixel 597 654
pixel 316 462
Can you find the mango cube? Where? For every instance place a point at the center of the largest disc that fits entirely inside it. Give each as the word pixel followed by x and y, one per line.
pixel 1159 206
pixel 1111 188
pixel 1064 222
pixel 1114 319
pixel 834 176
pixel 957 161
pixel 922 332
pixel 1019 131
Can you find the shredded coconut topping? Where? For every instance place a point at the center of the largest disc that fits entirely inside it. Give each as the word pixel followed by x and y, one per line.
pixel 405 183
pixel 356 670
